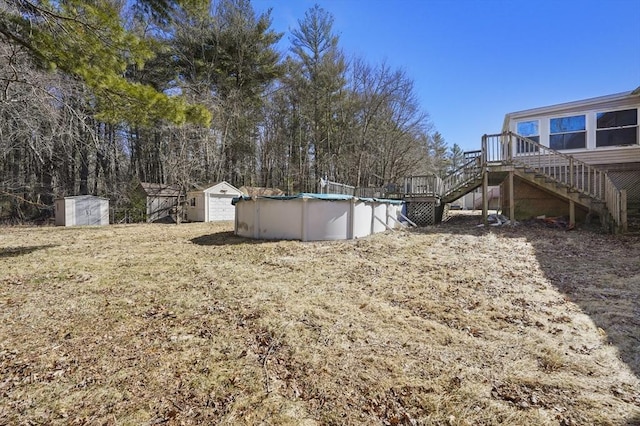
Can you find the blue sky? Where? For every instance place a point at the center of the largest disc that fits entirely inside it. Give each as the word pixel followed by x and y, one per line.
pixel 473 61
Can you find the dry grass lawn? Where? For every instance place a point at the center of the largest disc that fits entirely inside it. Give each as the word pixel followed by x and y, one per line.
pixel 189 324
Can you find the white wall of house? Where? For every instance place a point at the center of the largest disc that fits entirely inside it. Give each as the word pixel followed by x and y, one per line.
pixel 212 204
pixel 606 128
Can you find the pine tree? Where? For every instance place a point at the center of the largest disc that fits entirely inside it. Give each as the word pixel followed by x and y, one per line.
pixel 440 161
pixel 87 41
pixel 317 75
pixel 456 156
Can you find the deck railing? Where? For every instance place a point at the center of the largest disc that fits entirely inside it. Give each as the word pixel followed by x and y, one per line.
pixel 577 176
pixel 329 187
pixel 427 185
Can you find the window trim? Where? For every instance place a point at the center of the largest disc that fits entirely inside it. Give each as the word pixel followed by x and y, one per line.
pixel 536 137
pixel 582 131
pixel 608 129
pixel 537 121
pixel 590 112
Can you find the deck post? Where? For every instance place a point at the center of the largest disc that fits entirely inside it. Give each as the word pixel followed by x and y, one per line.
pixel 483 160
pixel 512 201
pixel 485 196
pixel 572 213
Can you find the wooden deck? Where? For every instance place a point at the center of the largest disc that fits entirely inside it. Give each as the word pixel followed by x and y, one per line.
pixel 504 157
pixel 507 155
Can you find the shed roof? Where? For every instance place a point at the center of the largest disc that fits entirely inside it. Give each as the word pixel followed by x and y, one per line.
pixel 222 187
pixel 80 197
pixel 160 189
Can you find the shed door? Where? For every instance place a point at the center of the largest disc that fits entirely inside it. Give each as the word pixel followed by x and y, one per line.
pixel 220 207
pixel 87 212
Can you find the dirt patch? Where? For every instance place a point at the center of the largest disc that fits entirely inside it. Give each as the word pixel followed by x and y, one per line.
pixel 189 324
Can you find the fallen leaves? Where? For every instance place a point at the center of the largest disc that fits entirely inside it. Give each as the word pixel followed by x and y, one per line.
pixel 442 325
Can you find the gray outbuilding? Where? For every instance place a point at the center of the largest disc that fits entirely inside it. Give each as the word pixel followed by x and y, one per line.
pixel 161 200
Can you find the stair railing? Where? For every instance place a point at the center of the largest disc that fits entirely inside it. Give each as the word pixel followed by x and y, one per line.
pixel 469 172
pixel 577 176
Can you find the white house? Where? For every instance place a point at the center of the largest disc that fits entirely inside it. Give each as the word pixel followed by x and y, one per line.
pixel 602 132
pixel 82 210
pixel 213 203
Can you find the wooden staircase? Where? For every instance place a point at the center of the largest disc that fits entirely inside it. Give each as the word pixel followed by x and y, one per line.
pixel 463 180
pixel 542 167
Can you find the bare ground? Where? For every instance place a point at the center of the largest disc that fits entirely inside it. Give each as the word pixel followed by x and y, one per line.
pixel 447 325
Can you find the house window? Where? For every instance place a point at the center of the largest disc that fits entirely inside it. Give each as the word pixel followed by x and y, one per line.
pixel 617 128
pixel 193 202
pixel 568 132
pixel 530 130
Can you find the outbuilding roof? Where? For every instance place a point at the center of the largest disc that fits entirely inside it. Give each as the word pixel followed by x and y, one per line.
pixel 80 197
pixel 222 187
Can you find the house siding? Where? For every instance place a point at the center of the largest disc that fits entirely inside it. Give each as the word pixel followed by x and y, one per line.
pixel 604 158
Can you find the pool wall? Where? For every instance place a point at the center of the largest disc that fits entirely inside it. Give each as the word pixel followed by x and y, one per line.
pixel 314 217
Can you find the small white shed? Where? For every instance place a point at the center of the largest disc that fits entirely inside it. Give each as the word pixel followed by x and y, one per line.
pixel 213 203
pixel 82 210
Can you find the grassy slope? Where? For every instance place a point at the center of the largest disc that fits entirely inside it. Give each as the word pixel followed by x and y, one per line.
pixel 188 324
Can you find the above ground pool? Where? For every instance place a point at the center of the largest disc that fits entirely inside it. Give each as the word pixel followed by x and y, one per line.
pixel 314 217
